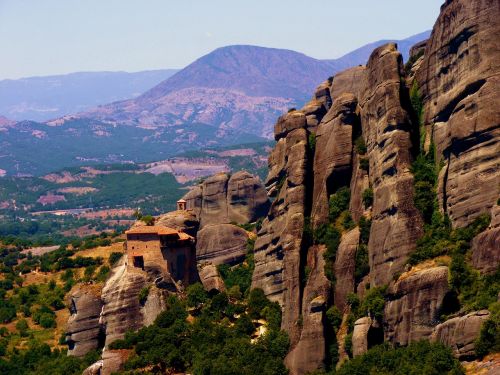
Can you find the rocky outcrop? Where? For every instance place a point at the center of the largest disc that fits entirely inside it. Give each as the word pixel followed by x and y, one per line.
pixel 122 310
pixel 210 278
pixel 360 335
pixel 221 199
pixel 333 155
pixel 387 131
pixel 459 80
pixel 309 353
pixel 345 262
pixel 221 244
pixel 460 333
pixel 348 81
pixel 413 306
pixel 183 221
pixel 486 245
pixel 84 332
pixel 279 243
pixel 359 183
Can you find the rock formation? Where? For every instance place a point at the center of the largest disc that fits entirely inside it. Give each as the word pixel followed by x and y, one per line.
pixel 459 80
pixel 414 305
pixel 460 333
pixel 344 268
pixel 84 332
pixel 221 243
pixel 221 199
pixel 486 245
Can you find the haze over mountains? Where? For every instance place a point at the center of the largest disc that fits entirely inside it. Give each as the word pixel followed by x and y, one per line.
pixel 229 96
pixel 45 98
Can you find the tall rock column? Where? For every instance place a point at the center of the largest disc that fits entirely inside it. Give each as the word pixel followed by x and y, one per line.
pixel 279 243
pixel 386 128
pixel 459 81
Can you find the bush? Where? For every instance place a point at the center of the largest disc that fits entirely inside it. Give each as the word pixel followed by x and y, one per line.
pixel 364 164
pixel 114 257
pixel 348 345
pixel 367 197
pixel 489 337
pixel 148 220
pixel 196 295
pixel 360 145
pixel 143 295
pixel 417 358
pixel 334 317
pixel 339 201
pixel 47 320
pixel 22 327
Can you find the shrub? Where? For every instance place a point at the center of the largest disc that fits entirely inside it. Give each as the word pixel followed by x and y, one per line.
pixel 148 220
pixel 22 327
pixel 346 220
pixel 311 142
pixel 143 295
pixel 348 345
pixel 334 317
pixel 420 357
pixel 47 320
pixel 489 337
pixel 360 145
pixel 114 257
pixel 339 201
pixel 196 295
pixel 367 197
pixel 364 164
pixel 362 266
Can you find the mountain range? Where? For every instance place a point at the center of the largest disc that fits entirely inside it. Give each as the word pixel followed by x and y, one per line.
pixel 229 96
pixel 45 98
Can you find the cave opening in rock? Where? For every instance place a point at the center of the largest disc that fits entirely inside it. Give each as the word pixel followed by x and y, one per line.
pixel 450 304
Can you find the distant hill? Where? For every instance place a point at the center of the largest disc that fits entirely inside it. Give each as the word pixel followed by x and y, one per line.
pixel 361 55
pixel 230 96
pixel 45 98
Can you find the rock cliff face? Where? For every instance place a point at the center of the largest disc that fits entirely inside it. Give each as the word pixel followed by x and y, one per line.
pixel 222 199
pixel 459 80
pixel 222 243
pixel 387 131
pixel 84 332
pixel 361 131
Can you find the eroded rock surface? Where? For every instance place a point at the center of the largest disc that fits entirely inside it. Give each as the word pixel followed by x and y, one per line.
pixel 360 336
pixel 210 277
pixel 309 353
pixel 221 199
pixel 221 244
pixel 184 221
pixel 333 156
pixel 486 245
pixel 387 131
pixel 279 243
pixel 460 333
pixel 414 304
pixel 459 81
pixel 344 267
pixel 84 332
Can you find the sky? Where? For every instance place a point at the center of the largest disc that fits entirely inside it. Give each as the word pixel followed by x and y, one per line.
pixel 47 37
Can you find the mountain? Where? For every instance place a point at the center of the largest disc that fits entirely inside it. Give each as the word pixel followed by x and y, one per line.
pixel 230 96
pixel 234 87
pixel 361 54
pixel 45 98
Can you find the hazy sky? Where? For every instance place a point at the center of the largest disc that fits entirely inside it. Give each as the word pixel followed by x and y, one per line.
pixel 42 37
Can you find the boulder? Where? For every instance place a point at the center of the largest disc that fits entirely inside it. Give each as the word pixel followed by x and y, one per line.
pixel 387 131
pixel 221 244
pixel 345 262
pixel 460 333
pixel 221 199
pixel 413 306
pixel 360 336
pixel 210 277
pixel 459 80
pixel 309 353
pixel 183 221
pixel 486 245
pixel 84 332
